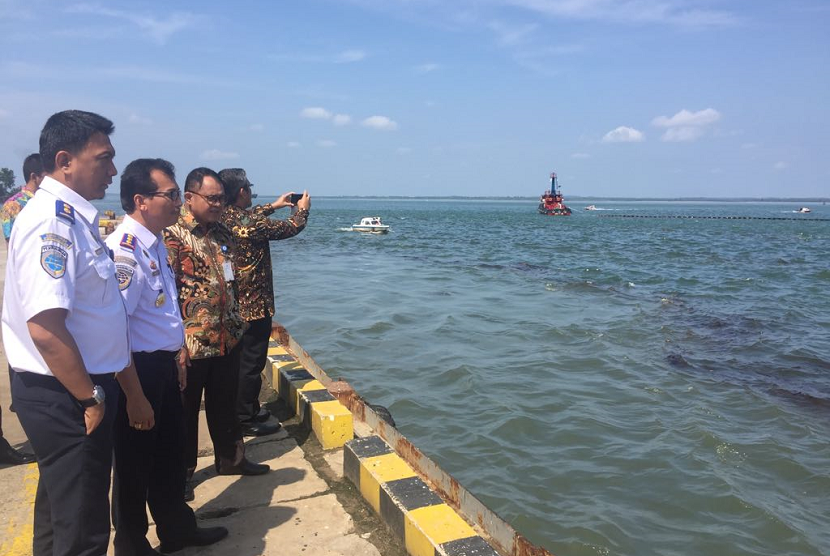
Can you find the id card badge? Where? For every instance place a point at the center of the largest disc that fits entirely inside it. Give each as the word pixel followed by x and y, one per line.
pixel 227 269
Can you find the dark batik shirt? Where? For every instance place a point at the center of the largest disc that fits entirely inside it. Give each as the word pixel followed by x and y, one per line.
pixel 208 299
pixel 252 230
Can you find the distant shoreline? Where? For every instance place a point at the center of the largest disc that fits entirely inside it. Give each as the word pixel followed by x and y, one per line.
pixel 575 198
pixel 567 199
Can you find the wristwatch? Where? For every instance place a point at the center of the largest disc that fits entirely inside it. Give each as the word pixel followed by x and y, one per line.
pixel 98 397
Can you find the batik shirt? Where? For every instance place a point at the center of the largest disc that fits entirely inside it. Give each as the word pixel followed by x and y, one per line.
pixel 12 207
pixel 252 230
pixel 202 261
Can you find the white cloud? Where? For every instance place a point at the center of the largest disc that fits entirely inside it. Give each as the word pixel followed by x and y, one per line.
pixel 685 118
pixel 326 143
pixel 686 126
pixel 580 155
pixel 426 68
pixel 136 119
pixel 380 122
pixel 293 145
pixel 348 56
pixel 682 134
pixel 638 11
pixel 158 29
pixel 780 165
pixel 624 134
pixel 216 154
pixel 257 127
pixel 315 113
pixel 511 35
pixel 341 119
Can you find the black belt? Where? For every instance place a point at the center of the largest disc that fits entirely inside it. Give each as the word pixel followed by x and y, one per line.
pixel 51 383
pixel 162 353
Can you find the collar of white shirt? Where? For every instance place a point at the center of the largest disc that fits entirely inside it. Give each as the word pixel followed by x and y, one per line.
pixel 84 207
pixel 147 238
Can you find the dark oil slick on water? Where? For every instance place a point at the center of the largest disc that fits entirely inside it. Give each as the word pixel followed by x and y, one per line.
pixel 607 385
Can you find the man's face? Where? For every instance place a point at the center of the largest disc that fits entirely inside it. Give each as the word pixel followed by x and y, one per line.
pixel 244 200
pixel 159 209
pixel 207 204
pixel 91 170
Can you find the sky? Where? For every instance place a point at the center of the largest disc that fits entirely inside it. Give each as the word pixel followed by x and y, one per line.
pixel 634 98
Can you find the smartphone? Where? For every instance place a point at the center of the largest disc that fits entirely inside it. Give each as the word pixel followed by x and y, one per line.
pixel 295 197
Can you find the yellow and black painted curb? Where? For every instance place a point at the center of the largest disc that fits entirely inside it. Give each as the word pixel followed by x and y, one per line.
pixel 427 525
pixel 330 421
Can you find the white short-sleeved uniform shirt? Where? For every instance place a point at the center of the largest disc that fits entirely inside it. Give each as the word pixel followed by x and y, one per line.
pixel 148 287
pixel 57 260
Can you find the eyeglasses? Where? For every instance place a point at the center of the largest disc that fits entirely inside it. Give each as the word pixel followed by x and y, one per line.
pixel 172 194
pixel 211 199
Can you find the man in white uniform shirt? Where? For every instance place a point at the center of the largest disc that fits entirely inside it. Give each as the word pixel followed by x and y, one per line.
pixel 65 335
pixel 149 460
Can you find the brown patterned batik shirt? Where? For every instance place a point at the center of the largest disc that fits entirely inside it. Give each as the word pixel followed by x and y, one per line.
pixel 252 230
pixel 201 258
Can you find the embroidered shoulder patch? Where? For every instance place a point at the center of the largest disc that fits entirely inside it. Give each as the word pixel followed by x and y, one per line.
pixel 128 242
pixel 53 260
pixel 124 273
pixel 65 210
pixel 56 239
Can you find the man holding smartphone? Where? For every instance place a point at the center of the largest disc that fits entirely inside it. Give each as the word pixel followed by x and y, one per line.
pixel 253 231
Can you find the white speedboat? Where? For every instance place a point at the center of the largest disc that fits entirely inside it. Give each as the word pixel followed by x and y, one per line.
pixel 591 207
pixel 804 210
pixel 372 225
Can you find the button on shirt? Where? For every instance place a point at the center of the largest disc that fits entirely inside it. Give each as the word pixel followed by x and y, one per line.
pixel 148 287
pixel 57 260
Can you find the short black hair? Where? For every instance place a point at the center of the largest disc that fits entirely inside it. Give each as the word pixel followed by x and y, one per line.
pixel 233 179
pixel 136 179
pixel 32 165
pixel 70 131
pixel 194 179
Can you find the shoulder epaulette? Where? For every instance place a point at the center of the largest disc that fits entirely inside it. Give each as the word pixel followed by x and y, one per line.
pixel 128 242
pixel 65 210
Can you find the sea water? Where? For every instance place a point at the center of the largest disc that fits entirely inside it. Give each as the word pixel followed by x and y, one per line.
pixel 606 385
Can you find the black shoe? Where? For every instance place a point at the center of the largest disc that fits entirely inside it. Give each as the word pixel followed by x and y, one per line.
pixel 247 467
pixel 189 494
pixel 262 415
pixel 202 536
pixel 11 456
pixel 259 429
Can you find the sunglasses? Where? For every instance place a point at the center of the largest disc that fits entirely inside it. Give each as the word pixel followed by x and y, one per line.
pixel 172 194
pixel 211 199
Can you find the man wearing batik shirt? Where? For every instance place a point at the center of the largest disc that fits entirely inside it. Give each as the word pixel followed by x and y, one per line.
pixel 200 250
pixel 252 230
pixel 33 172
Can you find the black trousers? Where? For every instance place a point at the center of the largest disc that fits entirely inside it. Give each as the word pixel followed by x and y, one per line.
pixel 252 361
pixel 218 378
pixel 71 516
pixel 149 464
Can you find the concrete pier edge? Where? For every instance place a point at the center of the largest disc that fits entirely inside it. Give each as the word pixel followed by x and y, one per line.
pixel 423 505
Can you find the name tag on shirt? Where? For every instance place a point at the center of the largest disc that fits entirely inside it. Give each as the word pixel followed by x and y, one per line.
pixel 227 269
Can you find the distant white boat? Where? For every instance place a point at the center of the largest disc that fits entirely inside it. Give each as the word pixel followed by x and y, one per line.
pixel 804 210
pixel 591 207
pixel 372 225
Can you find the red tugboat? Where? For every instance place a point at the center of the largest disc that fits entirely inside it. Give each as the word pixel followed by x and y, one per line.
pixel 550 204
